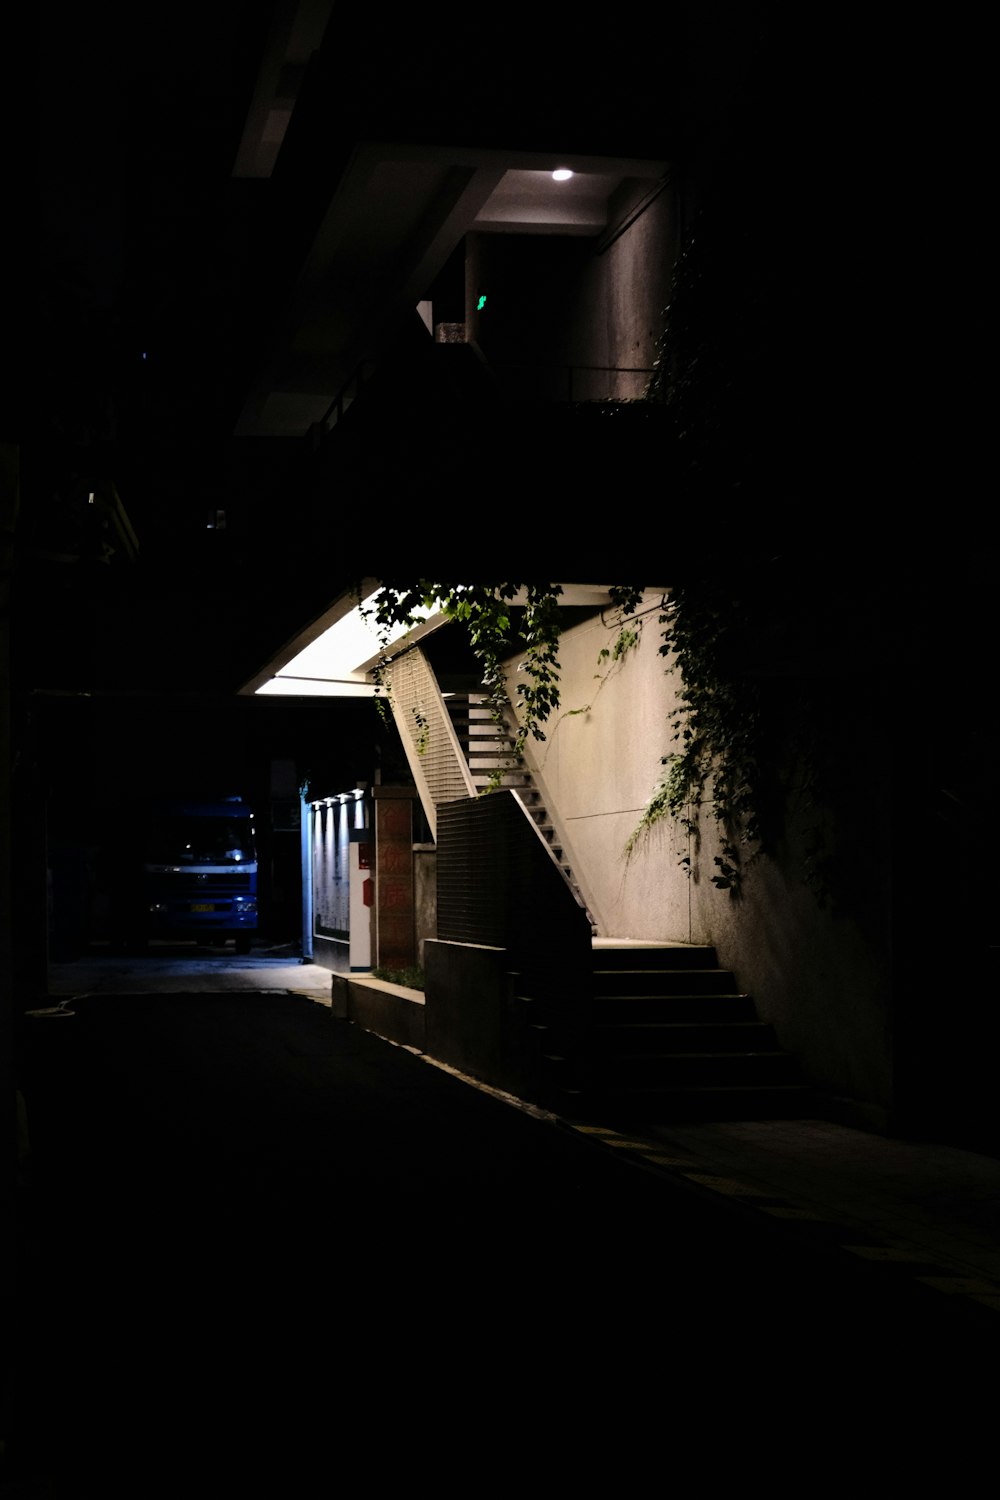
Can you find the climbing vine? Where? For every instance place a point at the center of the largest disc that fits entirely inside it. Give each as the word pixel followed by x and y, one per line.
pixel 486 611
pixel 738 740
pixel 716 730
pixel 423 731
pixel 757 738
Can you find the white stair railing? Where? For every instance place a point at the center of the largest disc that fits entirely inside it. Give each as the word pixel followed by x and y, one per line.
pixel 433 753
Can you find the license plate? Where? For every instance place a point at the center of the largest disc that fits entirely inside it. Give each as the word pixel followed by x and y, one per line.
pixel 203 906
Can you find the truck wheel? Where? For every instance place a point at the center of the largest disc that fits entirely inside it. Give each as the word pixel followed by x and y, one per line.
pixel 243 943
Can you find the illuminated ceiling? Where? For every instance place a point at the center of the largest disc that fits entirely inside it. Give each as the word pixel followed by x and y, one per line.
pixel 334 657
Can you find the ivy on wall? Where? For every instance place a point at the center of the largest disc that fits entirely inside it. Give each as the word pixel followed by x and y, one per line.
pixel 741 746
pixel 485 612
pixel 717 754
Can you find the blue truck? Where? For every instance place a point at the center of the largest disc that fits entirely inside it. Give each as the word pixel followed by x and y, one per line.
pixel 199 872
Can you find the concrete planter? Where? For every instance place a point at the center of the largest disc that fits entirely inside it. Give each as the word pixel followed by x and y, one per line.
pixel 389 1010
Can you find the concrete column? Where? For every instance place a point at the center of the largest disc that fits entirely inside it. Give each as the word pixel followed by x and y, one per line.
pixel 395 943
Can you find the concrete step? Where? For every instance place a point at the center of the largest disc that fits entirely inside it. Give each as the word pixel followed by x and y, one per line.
pixel 620 1010
pixel 688 1037
pixel 667 1034
pixel 505 778
pixel 634 956
pixel 489 752
pixel 665 981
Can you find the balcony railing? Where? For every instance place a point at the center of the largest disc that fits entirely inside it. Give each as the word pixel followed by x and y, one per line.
pixel 530 382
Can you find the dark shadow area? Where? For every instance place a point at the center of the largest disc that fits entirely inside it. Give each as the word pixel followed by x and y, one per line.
pixel 241 1217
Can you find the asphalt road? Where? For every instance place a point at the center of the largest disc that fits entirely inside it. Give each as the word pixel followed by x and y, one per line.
pixel 258 1242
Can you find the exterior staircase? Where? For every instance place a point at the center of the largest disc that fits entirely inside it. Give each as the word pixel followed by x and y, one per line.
pixel 489 749
pixel 666 1035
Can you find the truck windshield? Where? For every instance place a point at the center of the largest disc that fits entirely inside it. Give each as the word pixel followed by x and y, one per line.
pixel 200 841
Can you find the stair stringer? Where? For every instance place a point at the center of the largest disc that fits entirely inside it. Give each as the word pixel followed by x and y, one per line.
pixel 538 786
pixel 440 770
pixel 489 745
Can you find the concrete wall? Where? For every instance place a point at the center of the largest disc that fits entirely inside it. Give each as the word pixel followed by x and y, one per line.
pixel 823 980
pixel 389 1010
pixel 424 895
pixel 471 1016
pixel 474 1019
pixel 596 769
pixel 556 302
pixel 618 301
